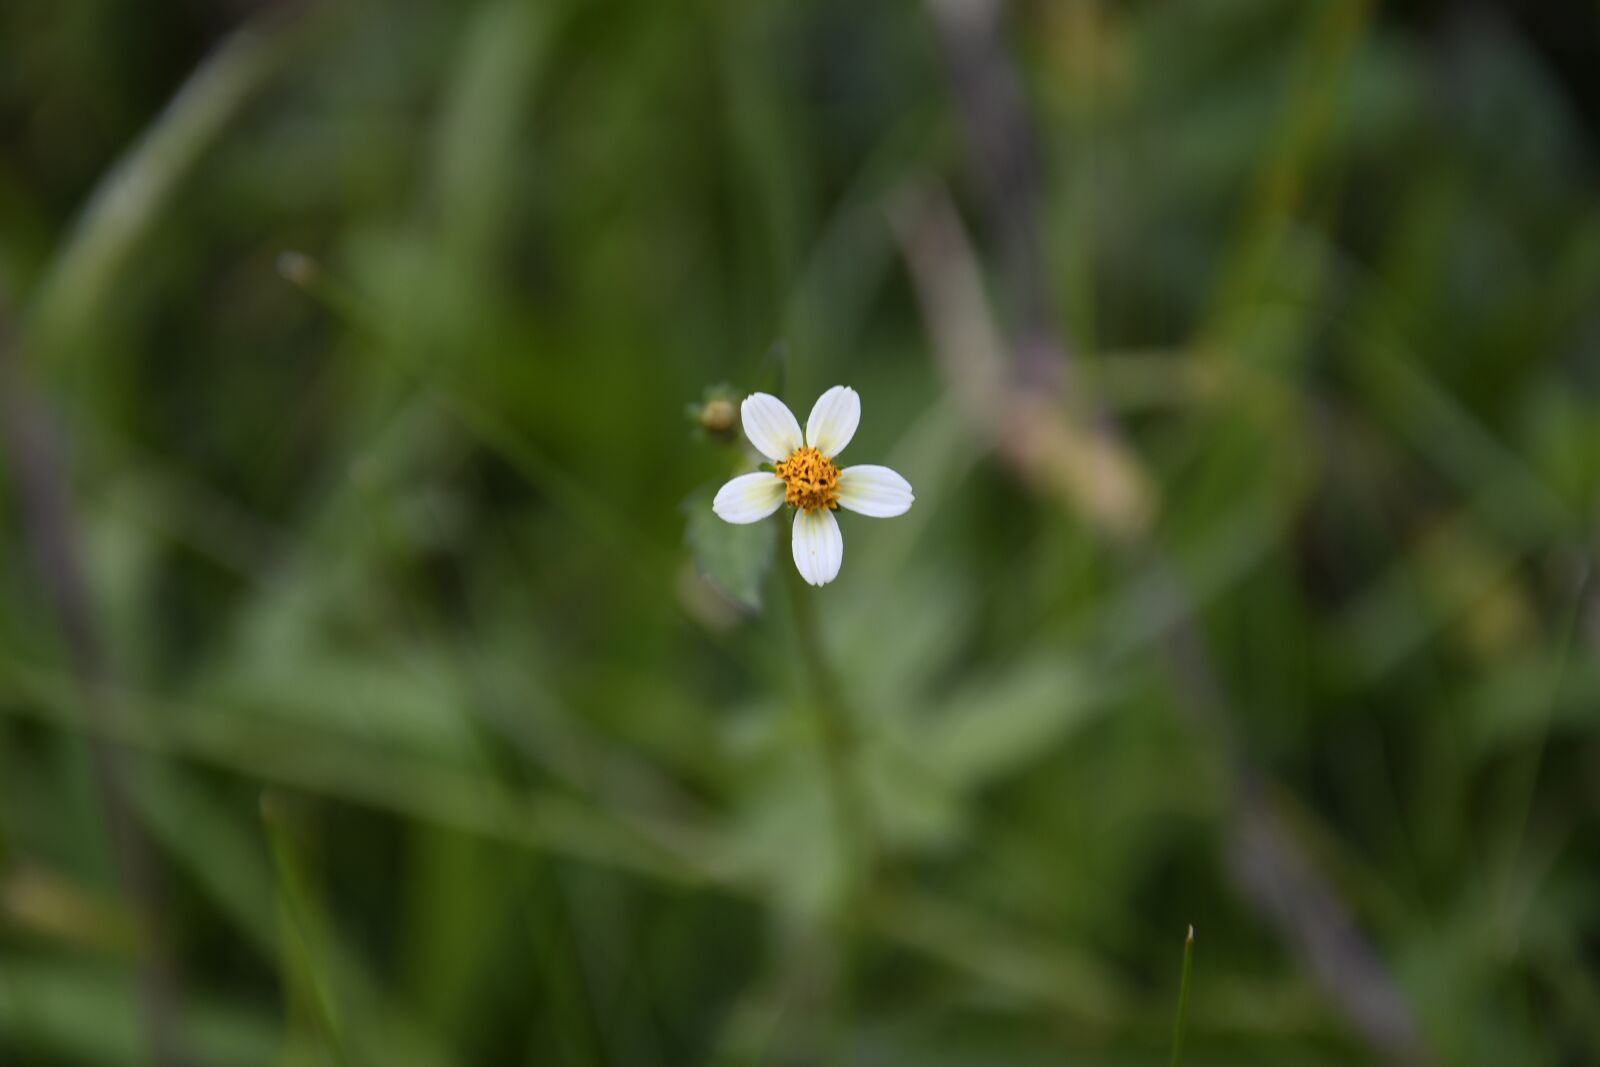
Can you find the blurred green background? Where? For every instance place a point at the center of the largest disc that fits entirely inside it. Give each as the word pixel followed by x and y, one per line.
pixel 376 688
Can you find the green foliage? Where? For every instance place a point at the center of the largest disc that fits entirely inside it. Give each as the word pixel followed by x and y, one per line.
pixel 735 559
pixel 460 730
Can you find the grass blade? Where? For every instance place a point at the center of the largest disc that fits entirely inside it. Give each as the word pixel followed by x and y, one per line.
pixel 1183 998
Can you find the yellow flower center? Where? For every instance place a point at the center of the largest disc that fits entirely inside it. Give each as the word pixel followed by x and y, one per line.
pixel 811 481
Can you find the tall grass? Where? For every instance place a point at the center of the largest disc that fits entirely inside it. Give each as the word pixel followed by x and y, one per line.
pixel 450 748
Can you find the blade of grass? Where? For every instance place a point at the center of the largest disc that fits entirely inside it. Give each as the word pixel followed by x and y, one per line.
pixel 304 972
pixel 129 200
pixel 1183 998
pixel 411 788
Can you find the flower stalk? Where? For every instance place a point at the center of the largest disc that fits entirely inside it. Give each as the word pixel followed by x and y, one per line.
pixel 837 738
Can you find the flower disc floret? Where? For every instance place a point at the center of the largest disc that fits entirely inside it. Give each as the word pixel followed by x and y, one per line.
pixel 810 480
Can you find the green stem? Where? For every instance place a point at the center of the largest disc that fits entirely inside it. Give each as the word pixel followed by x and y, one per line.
pixel 1183 998
pixel 836 734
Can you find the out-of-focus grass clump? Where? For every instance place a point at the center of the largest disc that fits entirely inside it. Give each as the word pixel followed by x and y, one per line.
pixel 1248 583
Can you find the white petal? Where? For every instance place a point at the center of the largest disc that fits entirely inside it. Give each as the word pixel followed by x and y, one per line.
pixel 818 547
pixel 875 491
pixel 770 426
pixel 749 498
pixel 833 420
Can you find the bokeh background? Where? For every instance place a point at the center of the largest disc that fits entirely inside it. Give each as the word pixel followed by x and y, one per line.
pixel 376 688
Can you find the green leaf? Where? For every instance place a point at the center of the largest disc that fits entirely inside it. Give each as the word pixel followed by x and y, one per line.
pixel 733 558
pixel 988 729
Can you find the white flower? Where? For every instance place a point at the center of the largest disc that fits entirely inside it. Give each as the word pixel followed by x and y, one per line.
pixel 807 479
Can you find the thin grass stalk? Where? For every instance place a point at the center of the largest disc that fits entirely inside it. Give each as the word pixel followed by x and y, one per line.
pixel 1183 999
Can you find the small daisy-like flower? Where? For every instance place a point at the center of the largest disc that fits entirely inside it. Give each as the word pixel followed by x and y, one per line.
pixel 807 479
